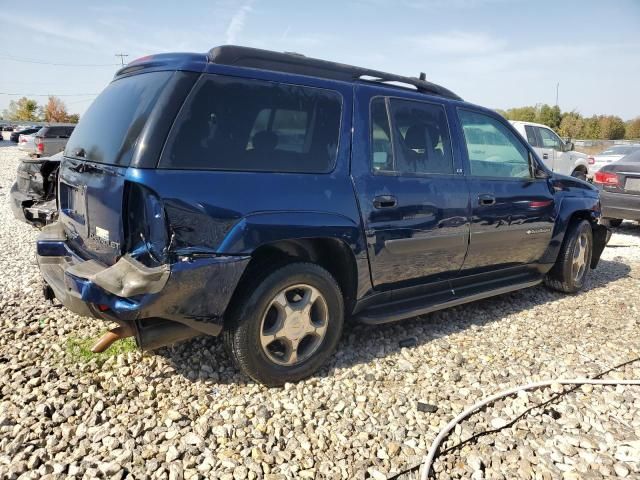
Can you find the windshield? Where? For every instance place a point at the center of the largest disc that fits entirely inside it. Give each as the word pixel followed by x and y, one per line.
pixel 109 130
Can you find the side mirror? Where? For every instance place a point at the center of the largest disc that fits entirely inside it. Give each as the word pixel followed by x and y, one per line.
pixel 569 146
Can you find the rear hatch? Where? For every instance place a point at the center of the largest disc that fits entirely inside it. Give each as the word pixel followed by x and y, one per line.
pixel 92 180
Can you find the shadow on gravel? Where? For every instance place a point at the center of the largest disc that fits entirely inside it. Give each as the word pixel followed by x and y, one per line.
pixel 204 358
pixel 631 229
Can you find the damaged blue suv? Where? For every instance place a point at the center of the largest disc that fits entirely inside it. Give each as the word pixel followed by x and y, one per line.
pixel 266 197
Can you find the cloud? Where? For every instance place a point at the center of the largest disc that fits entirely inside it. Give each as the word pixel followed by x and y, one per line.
pixel 457 43
pixel 236 25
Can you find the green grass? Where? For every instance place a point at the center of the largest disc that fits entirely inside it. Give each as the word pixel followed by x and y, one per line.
pixel 79 349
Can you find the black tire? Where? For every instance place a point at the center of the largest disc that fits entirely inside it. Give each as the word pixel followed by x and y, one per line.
pixel 565 276
pixel 611 222
pixel 578 173
pixel 244 324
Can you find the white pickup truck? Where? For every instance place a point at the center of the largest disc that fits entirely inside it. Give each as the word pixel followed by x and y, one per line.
pixel 556 154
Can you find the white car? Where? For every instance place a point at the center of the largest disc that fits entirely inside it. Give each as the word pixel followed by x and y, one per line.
pixel 555 153
pixel 26 143
pixel 611 154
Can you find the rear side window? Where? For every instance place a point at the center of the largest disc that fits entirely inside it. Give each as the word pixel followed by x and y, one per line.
pixel 416 141
pixel 110 128
pixel 253 125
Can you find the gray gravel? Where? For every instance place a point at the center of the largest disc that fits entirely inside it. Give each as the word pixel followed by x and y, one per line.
pixel 185 412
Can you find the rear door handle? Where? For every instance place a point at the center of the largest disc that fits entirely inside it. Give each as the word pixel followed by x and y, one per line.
pixel 486 199
pixel 545 156
pixel 385 201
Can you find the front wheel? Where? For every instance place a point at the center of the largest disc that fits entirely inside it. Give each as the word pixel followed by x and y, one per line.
pixel 574 260
pixel 286 325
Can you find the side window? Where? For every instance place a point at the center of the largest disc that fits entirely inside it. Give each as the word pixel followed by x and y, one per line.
pixel 549 139
pixel 494 151
pixel 253 125
pixel 420 138
pixel 382 151
pixel 531 136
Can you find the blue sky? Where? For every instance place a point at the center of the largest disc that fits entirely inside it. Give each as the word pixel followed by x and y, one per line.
pixel 498 53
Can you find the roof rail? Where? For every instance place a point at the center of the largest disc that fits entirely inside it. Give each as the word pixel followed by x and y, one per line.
pixel 296 63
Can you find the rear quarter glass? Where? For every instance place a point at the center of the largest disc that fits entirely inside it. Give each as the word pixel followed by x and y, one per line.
pixel 237 124
pixel 109 130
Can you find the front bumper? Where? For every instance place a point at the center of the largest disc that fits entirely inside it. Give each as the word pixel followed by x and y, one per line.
pixel 620 205
pixel 194 292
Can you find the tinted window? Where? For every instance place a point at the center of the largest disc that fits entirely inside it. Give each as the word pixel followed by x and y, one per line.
pixel 494 151
pixel 55 132
pixel 531 135
pixel 235 124
pixel 420 137
pixel 549 139
pixel 109 129
pixel 381 150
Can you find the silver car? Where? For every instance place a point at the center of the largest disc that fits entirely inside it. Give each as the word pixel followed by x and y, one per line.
pixel 611 154
pixel 51 140
pixel 26 142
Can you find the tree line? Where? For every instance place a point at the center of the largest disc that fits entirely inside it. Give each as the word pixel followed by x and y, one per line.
pixel 573 125
pixel 27 110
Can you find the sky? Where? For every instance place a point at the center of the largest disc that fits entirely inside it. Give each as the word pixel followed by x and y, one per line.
pixel 496 53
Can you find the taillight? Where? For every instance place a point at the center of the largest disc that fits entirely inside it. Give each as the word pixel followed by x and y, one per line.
pixel 591 160
pixel 146 226
pixel 39 145
pixel 606 178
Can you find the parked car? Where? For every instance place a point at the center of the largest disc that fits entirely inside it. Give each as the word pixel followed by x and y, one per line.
pixel 33 194
pixel 15 135
pixel 266 196
pixel 611 154
pixel 619 184
pixel 52 139
pixel 26 143
pixel 558 155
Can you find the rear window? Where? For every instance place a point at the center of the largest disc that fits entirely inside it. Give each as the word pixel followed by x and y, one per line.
pixel 253 125
pixel 109 129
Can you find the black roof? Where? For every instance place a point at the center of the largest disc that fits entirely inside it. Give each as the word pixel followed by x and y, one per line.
pixel 299 64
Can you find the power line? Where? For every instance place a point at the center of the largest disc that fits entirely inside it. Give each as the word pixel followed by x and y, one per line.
pixel 43 62
pixel 50 94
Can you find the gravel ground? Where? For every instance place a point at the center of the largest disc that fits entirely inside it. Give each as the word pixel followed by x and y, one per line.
pixel 185 412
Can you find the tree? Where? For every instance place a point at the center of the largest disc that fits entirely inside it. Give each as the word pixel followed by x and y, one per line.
pixel 571 125
pixel 632 130
pixel 611 127
pixel 55 111
pixel 591 128
pixel 549 116
pixel 73 118
pixel 22 110
pixel 524 114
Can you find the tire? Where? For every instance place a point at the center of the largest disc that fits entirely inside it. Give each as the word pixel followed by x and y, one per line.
pixel 268 319
pixel 611 222
pixel 566 275
pixel 580 174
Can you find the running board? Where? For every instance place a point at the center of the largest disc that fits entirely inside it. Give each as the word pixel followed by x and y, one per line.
pixel 413 307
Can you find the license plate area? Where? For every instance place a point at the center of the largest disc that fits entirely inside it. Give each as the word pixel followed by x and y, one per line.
pixel 73 202
pixel 632 185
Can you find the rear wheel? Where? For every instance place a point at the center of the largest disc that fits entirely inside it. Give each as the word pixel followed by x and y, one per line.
pixel 574 260
pixel 579 173
pixel 286 324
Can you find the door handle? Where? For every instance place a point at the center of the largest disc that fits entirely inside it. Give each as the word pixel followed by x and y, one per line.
pixel 385 201
pixel 545 156
pixel 486 199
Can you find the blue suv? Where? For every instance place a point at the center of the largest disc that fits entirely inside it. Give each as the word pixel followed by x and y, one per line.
pixel 266 197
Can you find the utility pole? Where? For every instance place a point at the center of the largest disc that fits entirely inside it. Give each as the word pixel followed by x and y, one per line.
pixel 557 88
pixel 122 55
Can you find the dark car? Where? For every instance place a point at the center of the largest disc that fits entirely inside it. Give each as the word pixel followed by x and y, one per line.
pixel 619 184
pixel 33 195
pixel 268 196
pixel 15 135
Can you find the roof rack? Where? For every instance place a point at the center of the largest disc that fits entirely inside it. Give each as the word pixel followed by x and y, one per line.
pixel 291 62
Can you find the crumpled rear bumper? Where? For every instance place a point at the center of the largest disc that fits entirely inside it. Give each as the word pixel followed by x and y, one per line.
pixel 194 292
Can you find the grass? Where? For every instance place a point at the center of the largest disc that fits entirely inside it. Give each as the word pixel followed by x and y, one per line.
pixel 79 349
